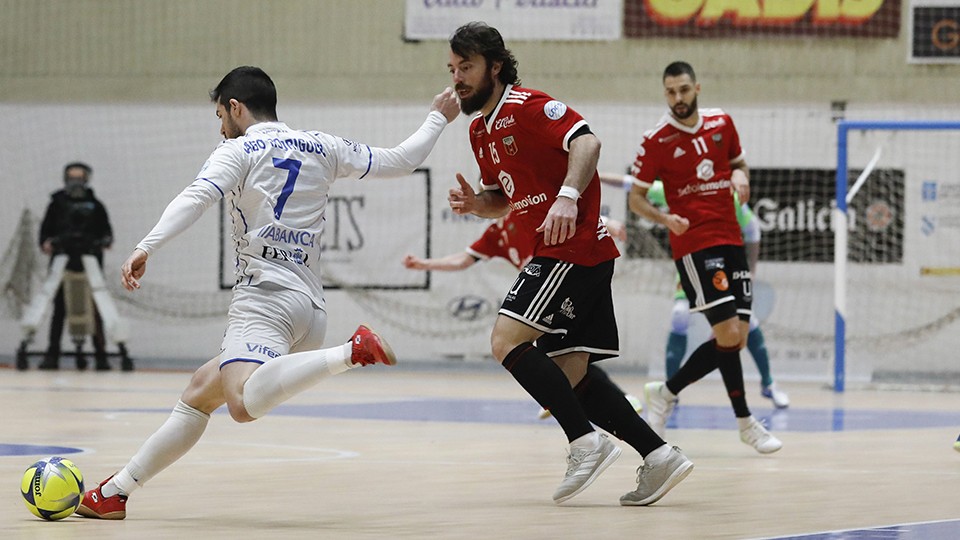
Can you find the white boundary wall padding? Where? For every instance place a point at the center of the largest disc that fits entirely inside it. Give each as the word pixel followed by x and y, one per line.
pixel 843 198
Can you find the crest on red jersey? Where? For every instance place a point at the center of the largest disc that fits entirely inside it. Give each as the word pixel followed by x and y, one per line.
pixel 511 145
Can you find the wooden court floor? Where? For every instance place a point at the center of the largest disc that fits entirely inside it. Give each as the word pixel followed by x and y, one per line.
pixel 458 453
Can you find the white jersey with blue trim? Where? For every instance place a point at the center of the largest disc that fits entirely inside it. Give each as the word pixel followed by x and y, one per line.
pixel 276 182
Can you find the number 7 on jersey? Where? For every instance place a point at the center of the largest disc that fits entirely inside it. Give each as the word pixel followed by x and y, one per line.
pixel 292 166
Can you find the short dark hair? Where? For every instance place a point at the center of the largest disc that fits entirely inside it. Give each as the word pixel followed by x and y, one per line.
pixel 479 38
pixel 678 68
pixel 252 87
pixel 87 170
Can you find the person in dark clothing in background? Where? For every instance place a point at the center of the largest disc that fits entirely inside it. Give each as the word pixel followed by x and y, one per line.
pixel 75 224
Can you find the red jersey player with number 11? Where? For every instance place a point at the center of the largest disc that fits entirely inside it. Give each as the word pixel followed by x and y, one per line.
pixel 538 159
pixel 697 155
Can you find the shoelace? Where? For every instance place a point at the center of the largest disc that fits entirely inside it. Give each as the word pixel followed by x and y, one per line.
pixel 642 471
pixel 574 459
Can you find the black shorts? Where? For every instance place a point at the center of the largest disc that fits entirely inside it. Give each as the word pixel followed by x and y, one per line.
pixel 717 282
pixel 571 304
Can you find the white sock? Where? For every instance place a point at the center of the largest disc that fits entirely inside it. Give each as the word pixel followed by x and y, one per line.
pixel 175 437
pixel 665 392
pixel 586 442
pixel 658 456
pixel 744 423
pixel 286 376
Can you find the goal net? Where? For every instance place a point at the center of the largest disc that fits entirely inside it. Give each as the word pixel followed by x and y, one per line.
pixel 897 269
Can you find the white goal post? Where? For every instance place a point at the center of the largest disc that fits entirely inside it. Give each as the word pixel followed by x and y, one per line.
pixel 926 220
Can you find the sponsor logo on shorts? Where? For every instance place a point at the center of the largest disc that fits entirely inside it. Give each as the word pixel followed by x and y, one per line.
pixel 713 264
pixel 532 270
pixel 566 308
pixel 516 289
pixel 720 281
pixel 257 348
pixel 741 274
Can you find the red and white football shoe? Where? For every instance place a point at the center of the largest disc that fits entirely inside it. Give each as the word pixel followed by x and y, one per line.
pixel 95 505
pixel 369 348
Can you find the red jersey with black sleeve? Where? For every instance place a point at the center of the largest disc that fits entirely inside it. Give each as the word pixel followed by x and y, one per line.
pixel 504 238
pixel 522 149
pixel 694 165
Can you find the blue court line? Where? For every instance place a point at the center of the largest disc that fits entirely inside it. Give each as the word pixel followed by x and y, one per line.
pixel 12 449
pixel 684 417
pixel 932 530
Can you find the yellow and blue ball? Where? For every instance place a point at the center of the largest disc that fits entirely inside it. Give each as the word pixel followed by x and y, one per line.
pixel 52 488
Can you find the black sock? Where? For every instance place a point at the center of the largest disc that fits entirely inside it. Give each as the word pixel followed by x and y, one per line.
pixel 606 407
pixel 547 384
pixel 728 361
pixel 702 361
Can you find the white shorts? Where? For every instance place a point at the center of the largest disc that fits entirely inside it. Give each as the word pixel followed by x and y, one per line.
pixel 267 321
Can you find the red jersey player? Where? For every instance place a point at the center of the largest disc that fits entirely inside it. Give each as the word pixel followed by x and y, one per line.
pixel 538 160
pixel 500 239
pixel 697 155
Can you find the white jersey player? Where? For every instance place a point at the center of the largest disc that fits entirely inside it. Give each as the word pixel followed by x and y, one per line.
pixel 276 181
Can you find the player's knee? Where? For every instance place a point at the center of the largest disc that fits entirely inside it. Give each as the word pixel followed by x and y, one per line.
pixel 237 408
pixel 729 336
pixel 203 393
pixel 574 366
pixel 500 348
pixel 501 344
pixel 238 411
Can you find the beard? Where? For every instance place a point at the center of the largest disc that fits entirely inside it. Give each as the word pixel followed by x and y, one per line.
pixel 682 111
pixel 481 95
pixel 231 129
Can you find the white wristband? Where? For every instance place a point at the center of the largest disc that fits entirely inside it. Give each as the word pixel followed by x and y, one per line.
pixel 569 192
pixel 628 182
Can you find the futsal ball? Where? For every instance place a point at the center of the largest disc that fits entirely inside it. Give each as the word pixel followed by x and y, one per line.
pixel 52 488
